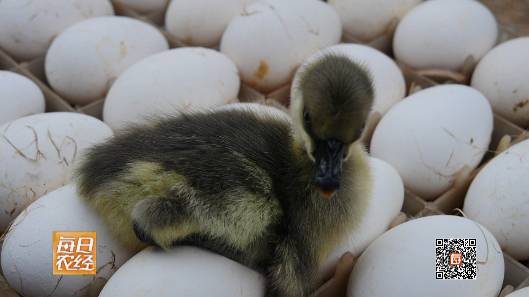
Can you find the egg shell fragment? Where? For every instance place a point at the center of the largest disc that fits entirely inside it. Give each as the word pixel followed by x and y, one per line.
pixel 169 82
pixel 385 203
pixel 402 262
pixel 442 34
pixel 368 19
pixel 28 27
pixel 273 37
pixel 498 198
pixel 38 153
pixel 432 135
pixel 19 97
pixel 27 261
pixel 201 22
pixel 502 76
pixel 85 59
pixel 388 80
pixel 183 271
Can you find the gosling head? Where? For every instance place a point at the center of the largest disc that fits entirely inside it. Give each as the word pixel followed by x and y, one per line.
pixel 331 100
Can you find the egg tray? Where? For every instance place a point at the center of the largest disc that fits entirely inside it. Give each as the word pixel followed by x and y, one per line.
pixel 513 19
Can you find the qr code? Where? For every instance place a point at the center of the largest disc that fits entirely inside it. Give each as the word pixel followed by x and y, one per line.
pixel 455 258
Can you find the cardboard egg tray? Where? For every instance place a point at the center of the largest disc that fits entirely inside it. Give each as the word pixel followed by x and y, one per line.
pixel 513 18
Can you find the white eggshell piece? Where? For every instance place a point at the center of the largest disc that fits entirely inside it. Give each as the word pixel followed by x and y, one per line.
pixel 432 135
pixel 443 34
pixel 498 198
pixel 183 271
pixel 368 19
pixel 201 22
pixel 385 203
pixel 402 261
pixel 27 262
pixel 502 76
pixel 273 37
pixel 144 6
pixel 520 293
pixel 84 60
pixel 19 97
pixel 37 154
pixel 388 81
pixel 173 81
pixel 27 27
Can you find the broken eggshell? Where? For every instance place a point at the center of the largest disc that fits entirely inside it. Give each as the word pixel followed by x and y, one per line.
pixel 502 76
pixel 37 154
pixel 19 97
pixel 28 27
pixel 444 34
pixel 183 271
pixel 27 261
pixel 177 80
pixel 432 135
pixel 85 59
pixel 273 37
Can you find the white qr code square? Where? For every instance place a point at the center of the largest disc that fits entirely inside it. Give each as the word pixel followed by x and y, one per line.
pixel 455 258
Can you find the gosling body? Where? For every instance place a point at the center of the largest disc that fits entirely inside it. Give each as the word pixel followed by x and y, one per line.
pixel 238 182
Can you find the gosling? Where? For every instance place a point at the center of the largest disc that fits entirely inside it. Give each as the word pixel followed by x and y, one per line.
pixel 271 193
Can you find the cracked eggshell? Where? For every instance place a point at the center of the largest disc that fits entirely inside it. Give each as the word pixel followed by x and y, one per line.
pixel 19 97
pixel 388 80
pixel 201 22
pixel 85 59
pixel 37 154
pixel 385 203
pixel 169 82
pixel 402 261
pixel 27 27
pixel 432 135
pixel 443 34
pixel 27 262
pixel 502 77
pixel 498 198
pixel 366 20
pixel 183 271
pixel 144 6
pixel 273 37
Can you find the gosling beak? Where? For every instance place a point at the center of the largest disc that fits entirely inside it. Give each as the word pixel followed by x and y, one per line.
pixel 328 155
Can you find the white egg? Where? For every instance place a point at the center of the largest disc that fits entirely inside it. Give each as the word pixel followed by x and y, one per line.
pixel 524 292
pixel 388 81
pixel 27 27
pixel 27 261
pixel 85 59
pixel 19 97
pixel 432 135
pixel 145 6
pixel 201 22
pixel 366 20
pixel 443 34
pixel 259 109
pixel 385 203
pixel 183 271
pixel 498 198
pixel 37 154
pixel 402 262
pixel 273 37
pixel 502 77
pixel 176 80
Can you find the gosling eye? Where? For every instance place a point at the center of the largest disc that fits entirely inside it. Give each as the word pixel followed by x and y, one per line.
pixel 306 118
